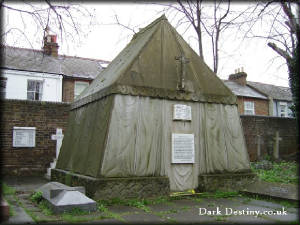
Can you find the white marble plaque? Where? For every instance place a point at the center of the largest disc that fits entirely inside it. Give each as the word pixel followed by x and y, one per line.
pixel 182 112
pixel 183 148
pixel 24 137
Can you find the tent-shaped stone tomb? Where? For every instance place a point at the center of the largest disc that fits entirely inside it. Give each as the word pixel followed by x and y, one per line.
pixel 156 111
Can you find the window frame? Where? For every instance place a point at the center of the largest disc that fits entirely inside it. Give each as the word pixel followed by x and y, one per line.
pixel 246 108
pixel 285 109
pixel 40 92
pixel 80 82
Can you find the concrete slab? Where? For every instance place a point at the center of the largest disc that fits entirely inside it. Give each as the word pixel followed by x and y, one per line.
pixel 189 216
pixel 120 209
pixel 162 207
pixel 63 198
pixel 278 190
pixel 142 218
pixel 20 216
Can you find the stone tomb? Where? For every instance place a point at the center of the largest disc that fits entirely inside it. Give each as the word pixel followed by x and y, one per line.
pixel 277 190
pixel 64 198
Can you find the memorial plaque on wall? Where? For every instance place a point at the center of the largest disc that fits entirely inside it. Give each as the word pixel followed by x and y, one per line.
pixel 183 148
pixel 182 112
pixel 24 137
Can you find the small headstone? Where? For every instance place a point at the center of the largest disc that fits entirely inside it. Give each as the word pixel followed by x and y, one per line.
pixel 276 145
pixel 58 137
pixel 64 198
pixel 258 146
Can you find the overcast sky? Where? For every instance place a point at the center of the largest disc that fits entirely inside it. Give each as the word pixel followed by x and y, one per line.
pixel 105 40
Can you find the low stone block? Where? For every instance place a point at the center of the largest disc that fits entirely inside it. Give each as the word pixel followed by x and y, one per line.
pixel 108 188
pixel 226 181
pixel 277 190
pixel 64 198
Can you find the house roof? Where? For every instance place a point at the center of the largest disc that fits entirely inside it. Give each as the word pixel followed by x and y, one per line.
pixel 275 92
pixel 245 91
pixel 147 66
pixel 35 60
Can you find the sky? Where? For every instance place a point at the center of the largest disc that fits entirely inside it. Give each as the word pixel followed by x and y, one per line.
pixel 104 40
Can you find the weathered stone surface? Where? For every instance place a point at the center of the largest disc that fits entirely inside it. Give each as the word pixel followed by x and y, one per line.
pixel 64 198
pixel 230 181
pixel 278 190
pixel 108 188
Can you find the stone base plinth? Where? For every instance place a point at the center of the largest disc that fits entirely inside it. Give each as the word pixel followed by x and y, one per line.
pixel 108 188
pixel 225 181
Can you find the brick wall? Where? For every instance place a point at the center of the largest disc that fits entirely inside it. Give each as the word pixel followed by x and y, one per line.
pixel 266 127
pixel 68 90
pixel 46 117
pixel 261 106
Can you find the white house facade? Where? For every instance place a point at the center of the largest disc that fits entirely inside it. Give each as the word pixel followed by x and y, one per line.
pixel 27 85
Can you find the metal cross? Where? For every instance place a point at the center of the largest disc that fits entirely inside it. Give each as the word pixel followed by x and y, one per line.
pixel 183 62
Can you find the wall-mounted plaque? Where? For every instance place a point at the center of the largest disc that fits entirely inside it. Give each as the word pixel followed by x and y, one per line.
pixel 183 148
pixel 182 112
pixel 24 137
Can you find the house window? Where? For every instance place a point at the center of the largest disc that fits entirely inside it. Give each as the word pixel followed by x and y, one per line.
pixel 283 109
pixel 79 88
pixel 249 108
pixel 34 90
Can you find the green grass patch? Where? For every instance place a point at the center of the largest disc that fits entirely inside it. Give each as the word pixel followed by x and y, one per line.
pixel 219 194
pixel 36 197
pixel 7 190
pixel 282 172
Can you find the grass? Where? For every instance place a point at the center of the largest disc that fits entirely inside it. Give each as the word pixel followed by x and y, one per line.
pixel 282 172
pixel 219 194
pixel 6 190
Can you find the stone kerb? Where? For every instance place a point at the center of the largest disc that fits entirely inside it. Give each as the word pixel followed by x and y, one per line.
pixel 117 187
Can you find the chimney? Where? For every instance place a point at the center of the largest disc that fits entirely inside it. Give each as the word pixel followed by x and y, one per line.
pixel 50 45
pixel 239 76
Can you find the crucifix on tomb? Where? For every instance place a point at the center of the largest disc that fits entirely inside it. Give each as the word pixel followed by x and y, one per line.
pixel 183 62
pixel 58 137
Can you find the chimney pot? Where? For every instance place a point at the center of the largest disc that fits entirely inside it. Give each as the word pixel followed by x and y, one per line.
pixel 239 77
pixel 50 46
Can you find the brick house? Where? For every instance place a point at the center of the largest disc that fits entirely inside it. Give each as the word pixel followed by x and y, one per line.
pixel 44 75
pixel 250 101
pixel 256 98
pixel 280 98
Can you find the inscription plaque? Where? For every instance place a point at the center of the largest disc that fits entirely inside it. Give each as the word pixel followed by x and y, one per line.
pixel 183 148
pixel 24 137
pixel 182 112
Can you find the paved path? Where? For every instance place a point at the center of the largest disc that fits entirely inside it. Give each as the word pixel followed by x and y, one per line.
pixel 191 210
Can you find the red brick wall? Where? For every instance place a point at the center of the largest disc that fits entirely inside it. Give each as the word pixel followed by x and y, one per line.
pixel 267 126
pixel 46 117
pixel 68 90
pixel 261 106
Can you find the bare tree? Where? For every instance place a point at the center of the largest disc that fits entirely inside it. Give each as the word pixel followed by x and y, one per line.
pixel 63 18
pixel 282 36
pixel 282 33
pixel 207 18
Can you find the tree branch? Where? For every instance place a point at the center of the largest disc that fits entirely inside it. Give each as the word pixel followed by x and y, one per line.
pixel 280 51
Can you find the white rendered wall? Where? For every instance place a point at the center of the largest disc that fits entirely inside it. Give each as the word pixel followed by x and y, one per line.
pixel 16 85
